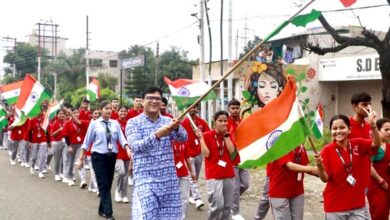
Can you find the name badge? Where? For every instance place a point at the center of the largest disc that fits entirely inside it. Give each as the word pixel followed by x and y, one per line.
pixel 222 163
pixel 110 146
pixel 63 140
pixel 19 132
pixel 39 135
pixel 196 142
pixel 351 180
pixel 179 165
pixel 78 138
pixel 299 176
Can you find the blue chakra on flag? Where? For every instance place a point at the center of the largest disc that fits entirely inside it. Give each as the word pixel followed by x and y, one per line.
pixel 34 96
pixel 272 138
pixel 183 91
pixel 319 122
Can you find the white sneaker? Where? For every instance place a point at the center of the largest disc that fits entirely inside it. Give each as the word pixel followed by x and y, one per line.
pixel 10 153
pixel 12 162
pixel 74 178
pixel 1 147
pixel 27 165
pixel 237 217
pixel 22 164
pixel 95 190
pixel 192 200
pixel 44 171
pixel 130 180
pixel 199 203
pixel 65 180
pixel 41 175
pixel 118 197
pixel 125 199
pixel 32 170
pixel 86 167
pixel 62 176
pixel 36 167
pixel 83 184
pixel 57 178
pixel 71 183
pixel 19 160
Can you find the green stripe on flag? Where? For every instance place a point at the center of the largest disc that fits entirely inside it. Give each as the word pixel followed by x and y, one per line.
pixel 12 100
pixel 91 95
pixel 183 102
pixel 316 131
pixel 276 31
pixel 46 95
pixel 303 20
pixel 286 142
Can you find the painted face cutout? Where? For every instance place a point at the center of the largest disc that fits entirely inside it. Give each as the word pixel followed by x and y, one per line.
pixel 267 88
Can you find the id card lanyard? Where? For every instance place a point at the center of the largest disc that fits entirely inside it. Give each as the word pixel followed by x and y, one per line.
pixel 350 179
pixel 220 148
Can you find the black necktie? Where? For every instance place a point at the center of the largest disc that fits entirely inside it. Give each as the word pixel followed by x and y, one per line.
pixel 108 134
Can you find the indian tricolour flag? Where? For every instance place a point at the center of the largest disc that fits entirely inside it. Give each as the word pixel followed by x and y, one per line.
pixel 273 131
pixel 186 91
pixel 10 92
pixel 32 94
pixel 93 90
pixel 3 118
pixel 51 112
pixel 318 123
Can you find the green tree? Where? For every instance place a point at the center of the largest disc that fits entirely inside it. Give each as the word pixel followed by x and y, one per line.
pixel 106 80
pixel 174 64
pixel 251 44
pixel 138 78
pixel 25 59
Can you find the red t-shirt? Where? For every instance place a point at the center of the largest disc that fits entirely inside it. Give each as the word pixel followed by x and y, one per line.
pixel 25 130
pixel 85 114
pixel 193 144
pixel 38 134
pixel 218 154
pixel 57 125
pixel 285 183
pixel 133 113
pixel 180 157
pixel 122 154
pixel 16 132
pixel 232 127
pixel 76 133
pixel 362 130
pixel 339 195
pixel 114 115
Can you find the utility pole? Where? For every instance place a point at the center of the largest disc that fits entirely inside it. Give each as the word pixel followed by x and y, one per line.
pixel 230 45
pixel 39 52
pixel 157 62
pixel 87 56
pixel 14 50
pixel 221 86
pixel 201 58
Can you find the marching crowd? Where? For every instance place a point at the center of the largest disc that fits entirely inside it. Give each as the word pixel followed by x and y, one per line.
pixel 161 157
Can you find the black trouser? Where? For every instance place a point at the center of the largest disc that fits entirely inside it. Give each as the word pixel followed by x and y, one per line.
pixel 104 167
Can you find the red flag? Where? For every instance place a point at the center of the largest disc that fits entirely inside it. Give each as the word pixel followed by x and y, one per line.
pixel 348 3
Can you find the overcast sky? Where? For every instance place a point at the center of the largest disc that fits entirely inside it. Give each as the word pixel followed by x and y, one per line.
pixel 117 24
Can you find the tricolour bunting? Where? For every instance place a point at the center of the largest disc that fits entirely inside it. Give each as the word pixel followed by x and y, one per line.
pixel 347 3
pixel 318 123
pixel 186 91
pixel 273 131
pixel 93 90
pixel 10 92
pixel 32 94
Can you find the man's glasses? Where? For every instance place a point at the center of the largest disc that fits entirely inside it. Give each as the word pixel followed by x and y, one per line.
pixel 153 98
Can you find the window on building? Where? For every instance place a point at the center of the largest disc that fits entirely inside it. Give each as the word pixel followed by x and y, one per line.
pixel 113 63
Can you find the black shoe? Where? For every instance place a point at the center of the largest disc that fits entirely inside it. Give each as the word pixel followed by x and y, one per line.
pixel 101 214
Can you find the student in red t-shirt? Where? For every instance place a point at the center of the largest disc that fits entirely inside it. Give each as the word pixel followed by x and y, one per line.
pixel 241 181
pixel 340 165
pixel 39 142
pixel 25 145
pixel 163 109
pixel 57 142
pixel 137 108
pixel 194 151
pixel 84 112
pixel 15 139
pixel 74 132
pixel 378 192
pixel 217 148
pixel 122 163
pixel 286 194
pixel 115 109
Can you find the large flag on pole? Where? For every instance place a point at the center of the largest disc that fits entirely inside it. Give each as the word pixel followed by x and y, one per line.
pixel 272 131
pixel 32 94
pixel 10 92
pixel 3 118
pixel 186 91
pixel 93 90
pixel 318 122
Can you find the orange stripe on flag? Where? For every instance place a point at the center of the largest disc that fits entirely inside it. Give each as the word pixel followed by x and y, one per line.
pixel 278 110
pixel 27 86
pixel 12 86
